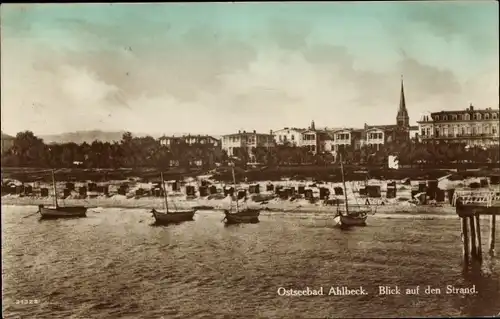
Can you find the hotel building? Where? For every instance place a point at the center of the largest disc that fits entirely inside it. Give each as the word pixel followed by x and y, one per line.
pixel 468 126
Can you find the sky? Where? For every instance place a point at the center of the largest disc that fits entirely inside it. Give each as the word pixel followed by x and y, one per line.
pixel 216 68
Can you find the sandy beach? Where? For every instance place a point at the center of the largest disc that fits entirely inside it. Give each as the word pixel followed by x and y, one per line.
pixel 267 200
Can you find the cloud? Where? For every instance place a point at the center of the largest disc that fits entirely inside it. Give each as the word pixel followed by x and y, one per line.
pixel 452 21
pixel 289 34
pixel 204 78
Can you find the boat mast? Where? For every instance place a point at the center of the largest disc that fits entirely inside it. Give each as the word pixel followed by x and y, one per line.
pixel 164 191
pixel 55 189
pixel 343 182
pixel 234 183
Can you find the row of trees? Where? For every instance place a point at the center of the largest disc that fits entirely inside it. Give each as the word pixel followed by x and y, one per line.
pixel 134 152
pixel 408 153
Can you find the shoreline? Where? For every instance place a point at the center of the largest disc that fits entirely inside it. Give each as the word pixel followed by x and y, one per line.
pixel 272 206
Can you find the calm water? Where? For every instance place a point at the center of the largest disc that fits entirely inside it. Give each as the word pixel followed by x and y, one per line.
pixel 114 264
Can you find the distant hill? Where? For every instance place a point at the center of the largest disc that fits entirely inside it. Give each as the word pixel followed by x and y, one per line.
pixel 90 136
pixel 87 136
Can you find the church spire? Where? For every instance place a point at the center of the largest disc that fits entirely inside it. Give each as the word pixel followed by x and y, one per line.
pixel 313 127
pixel 402 118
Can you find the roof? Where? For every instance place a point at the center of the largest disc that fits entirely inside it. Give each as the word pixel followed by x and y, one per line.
pixel 467 110
pixel 186 136
pixel 383 127
pixel 414 127
pixel 248 134
pixel 346 129
pixel 316 131
pixel 291 129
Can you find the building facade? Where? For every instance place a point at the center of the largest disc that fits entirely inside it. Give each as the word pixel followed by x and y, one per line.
pixel 7 142
pixel 247 140
pixel 315 140
pixel 190 140
pixel 348 138
pixel 291 136
pixel 470 126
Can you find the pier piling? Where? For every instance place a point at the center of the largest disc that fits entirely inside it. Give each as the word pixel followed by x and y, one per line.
pixel 465 248
pixel 473 237
pixel 470 205
pixel 492 235
pixel 478 231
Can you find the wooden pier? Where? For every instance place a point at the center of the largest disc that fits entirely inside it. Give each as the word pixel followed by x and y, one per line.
pixel 470 205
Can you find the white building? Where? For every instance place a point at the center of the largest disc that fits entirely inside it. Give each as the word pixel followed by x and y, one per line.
pixel 289 135
pixel 375 136
pixel 247 140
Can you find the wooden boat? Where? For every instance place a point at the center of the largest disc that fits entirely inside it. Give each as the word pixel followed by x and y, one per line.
pixel 354 219
pixel 350 217
pixel 62 212
pixel 171 216
pixel 58 211
pixel 246 215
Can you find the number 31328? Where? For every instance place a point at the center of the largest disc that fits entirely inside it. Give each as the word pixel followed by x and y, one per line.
pixel 27 302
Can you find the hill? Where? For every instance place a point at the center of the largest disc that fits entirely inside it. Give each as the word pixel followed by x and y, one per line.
pixel 87 136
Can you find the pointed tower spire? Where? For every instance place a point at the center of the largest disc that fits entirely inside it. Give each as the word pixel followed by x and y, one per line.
pixel 402 118
pixel 313 127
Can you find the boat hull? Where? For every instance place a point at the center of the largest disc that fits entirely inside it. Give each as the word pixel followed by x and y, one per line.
pixel 62 212
pixel 348 220
pixel 247 216
pixel 173 216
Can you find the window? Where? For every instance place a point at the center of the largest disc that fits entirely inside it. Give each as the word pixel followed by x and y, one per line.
pixel 281 138
pixel 493 130
pixel 437 117
pixel 486 116
pixel 494 116
pixel 478 116
pixel 293 137
pixel 422 131
pixel 437 132
pixel 445 118
pixel 467 117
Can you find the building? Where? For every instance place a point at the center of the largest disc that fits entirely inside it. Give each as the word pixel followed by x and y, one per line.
pixel 414 132
pixel 190 140
pixel 289 135
pixel 348 138
pixel 315 140
pixel 468 126
pixel 248 140
pixel 7 142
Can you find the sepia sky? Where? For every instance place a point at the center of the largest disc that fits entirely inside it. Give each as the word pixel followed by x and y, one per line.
pixel 221 67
